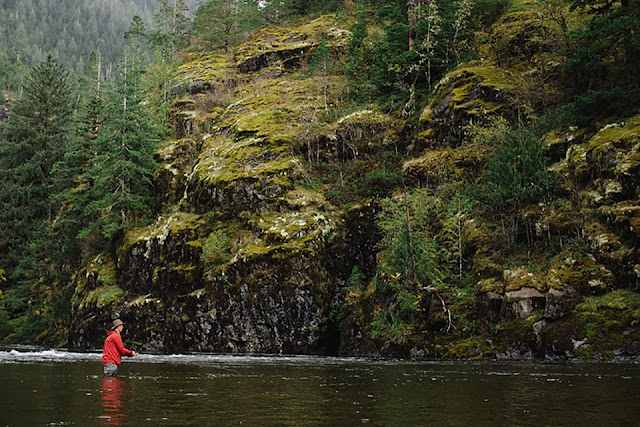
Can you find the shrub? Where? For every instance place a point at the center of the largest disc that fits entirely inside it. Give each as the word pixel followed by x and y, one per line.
pixel 216 250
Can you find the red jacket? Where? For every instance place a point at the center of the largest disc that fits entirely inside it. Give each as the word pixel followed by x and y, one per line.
pixel 114 349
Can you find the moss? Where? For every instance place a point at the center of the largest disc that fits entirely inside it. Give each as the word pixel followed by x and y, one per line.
pixel 106 269
pixel 204 70
pixel 605 319
pixel 490 285
pixel 559 217
pixel 615 149
pixel 626 213
pixel 470 348
pixel 522 36
pixel 462 87
pixel 224 160
pixel 198 293
pixel 473 92
pixel 144 300
pixel 188 274
pixel 366 118
pixel 581 272
pixel 277 227
pixel 519 278
pixel 273 43
pixel 518 331
pixel 102 296
pixel 485 267
pixel 444 165
pixel 170 148
pixel 606 243
pixel 173 223
pixel 301 198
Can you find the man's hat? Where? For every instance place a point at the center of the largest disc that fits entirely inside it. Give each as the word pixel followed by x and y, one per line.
pixel 116 323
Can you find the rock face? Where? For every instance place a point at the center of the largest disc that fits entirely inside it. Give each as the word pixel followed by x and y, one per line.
pixel 557 310
pixel 240 258
pixel 252 251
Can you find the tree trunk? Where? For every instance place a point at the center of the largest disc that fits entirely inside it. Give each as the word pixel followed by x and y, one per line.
pixel 411 15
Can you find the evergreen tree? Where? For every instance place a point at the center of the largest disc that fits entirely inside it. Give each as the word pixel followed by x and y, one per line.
pixel 122 172
pixel 604 61
pixel 72 183
pixel 275 11
pixel 221 24
pixel 34 139
pixel 174 26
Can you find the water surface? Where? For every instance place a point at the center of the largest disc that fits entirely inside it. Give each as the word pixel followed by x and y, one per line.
pixel 64 388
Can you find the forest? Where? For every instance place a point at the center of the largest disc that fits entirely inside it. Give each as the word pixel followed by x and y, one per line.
pixel 472 164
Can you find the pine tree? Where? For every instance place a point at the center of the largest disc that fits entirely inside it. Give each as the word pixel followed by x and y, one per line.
pixel 121 193
pixel 174 26
pixel 604 61
pixel 72 183
pixel 275 11
pixel 34 139
pixel 221 24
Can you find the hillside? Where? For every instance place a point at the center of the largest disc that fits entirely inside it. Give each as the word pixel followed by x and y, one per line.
pixel 284 227
pixel 364 183
pixel 69 30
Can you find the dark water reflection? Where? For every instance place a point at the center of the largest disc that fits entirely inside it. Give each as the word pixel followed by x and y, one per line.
pixel 67 389
pixel 112 394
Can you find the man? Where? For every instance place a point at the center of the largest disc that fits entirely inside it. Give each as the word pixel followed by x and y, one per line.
pixel 114 349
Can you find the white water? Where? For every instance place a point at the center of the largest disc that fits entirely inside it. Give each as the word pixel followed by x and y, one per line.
pixel 26 354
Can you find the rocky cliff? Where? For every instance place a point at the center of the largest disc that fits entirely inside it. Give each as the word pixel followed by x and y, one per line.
pixel 242 258
pixel 257 243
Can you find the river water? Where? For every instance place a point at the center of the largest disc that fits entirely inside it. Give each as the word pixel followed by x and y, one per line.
pixel 52 387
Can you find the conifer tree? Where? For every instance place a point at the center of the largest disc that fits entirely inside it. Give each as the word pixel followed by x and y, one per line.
pixel 123 169
pixel 274 11
pixel 34 139
pixel 173 27
pixel 72 182
pixel 221 24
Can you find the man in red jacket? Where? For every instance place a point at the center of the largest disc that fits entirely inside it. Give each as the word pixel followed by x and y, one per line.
pixel 114 350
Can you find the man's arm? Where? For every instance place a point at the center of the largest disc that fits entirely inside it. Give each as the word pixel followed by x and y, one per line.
pixel 123 351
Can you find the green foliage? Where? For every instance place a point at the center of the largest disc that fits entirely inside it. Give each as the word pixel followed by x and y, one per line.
pixel 355 280
pixel 453 229
pixel 517 174
pixel 419 42
pixel 321 60
pixel 409 261
pixel 487 12
pixel 388 327
pixel 67 29
pixel 604 61
pixel 223 24
pixel 12 71
pixel 316 7
pixel 380 183
pixel 216 250
pixel 275 11
pixel 173 27
pixel 414 257
pixel 604 319
pixel 124 164
pixel 34 138
pixel 612 103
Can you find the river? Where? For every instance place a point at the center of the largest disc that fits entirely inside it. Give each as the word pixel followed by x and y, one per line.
pixel 53 387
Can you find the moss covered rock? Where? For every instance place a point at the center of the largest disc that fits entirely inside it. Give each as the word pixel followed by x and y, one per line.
pixel 472 93
pixel 580 272
pixel 289 45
